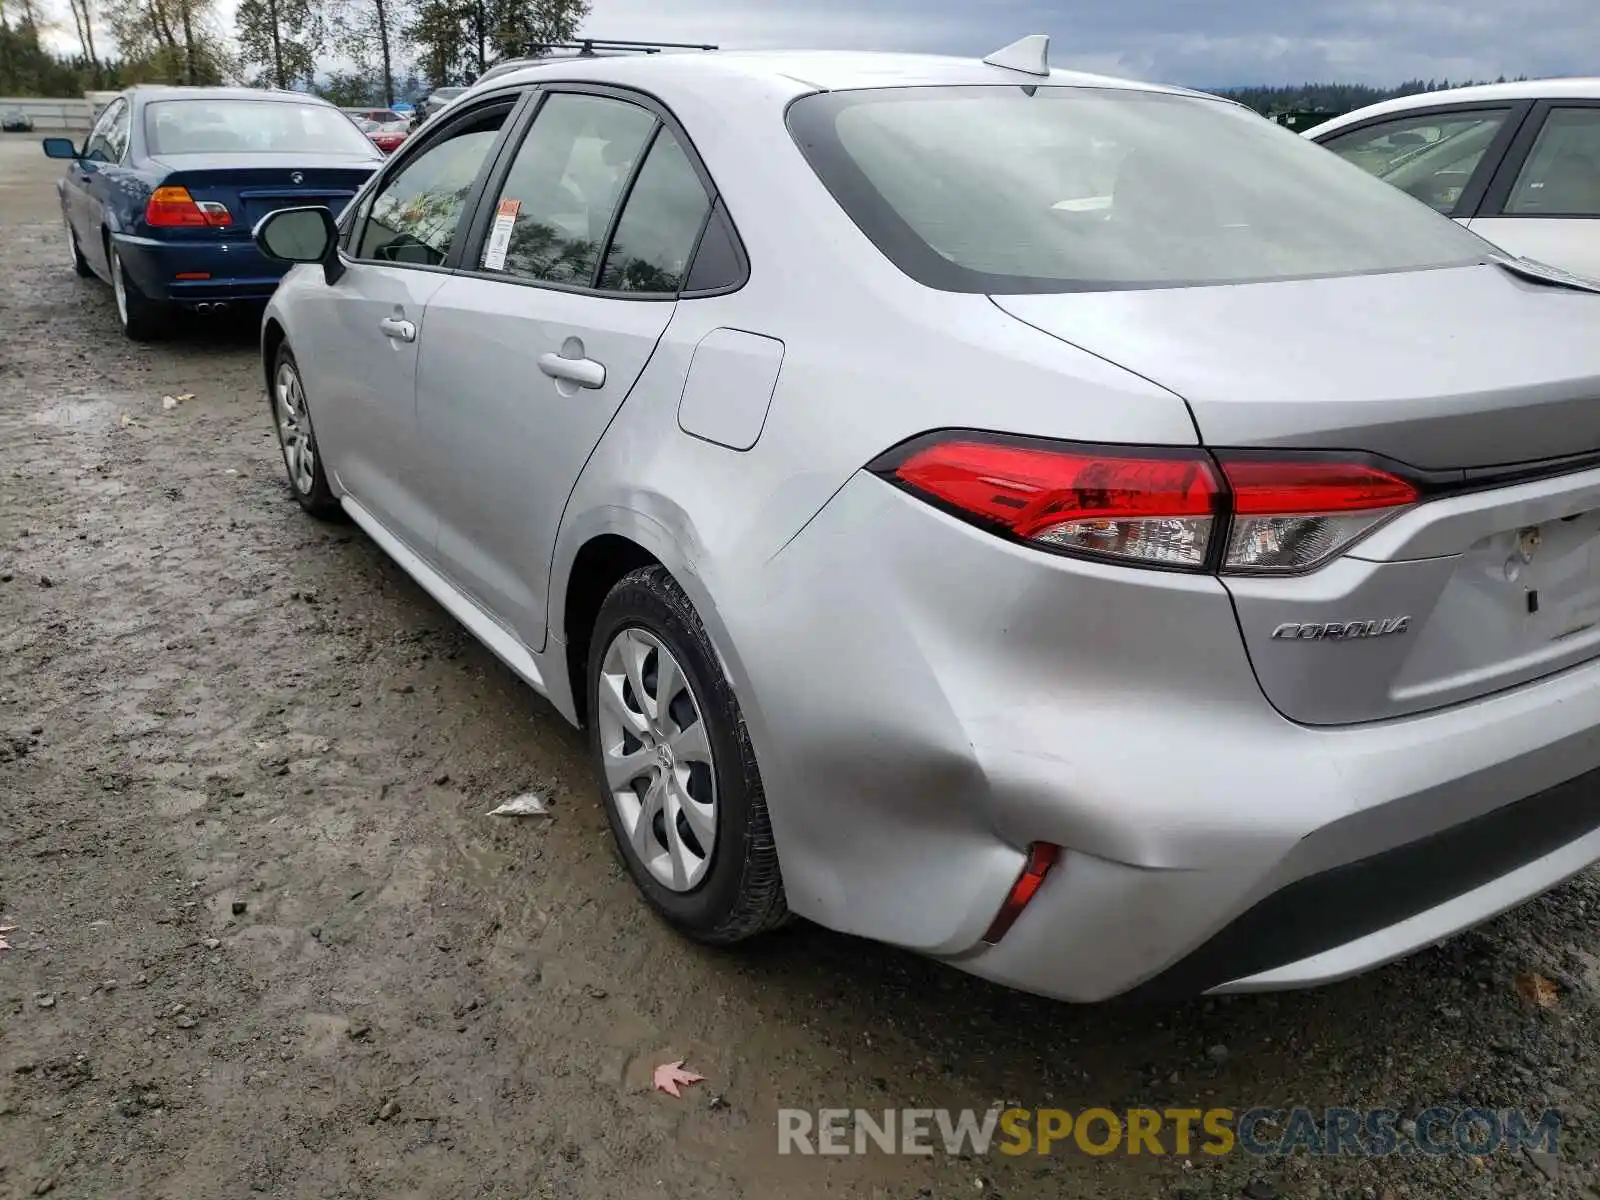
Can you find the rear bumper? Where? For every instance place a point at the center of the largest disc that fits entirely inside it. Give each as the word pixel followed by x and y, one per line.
pixel 928 700
pixel 236 271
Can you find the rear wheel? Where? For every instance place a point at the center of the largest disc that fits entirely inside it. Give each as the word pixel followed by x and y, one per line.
pixel 682 791
pixel 302 458
pixel 79 263
pixel 142 319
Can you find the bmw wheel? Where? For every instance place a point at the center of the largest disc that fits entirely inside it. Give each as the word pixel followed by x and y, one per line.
pixel 301 457
pixel 142 319
pixel 79 263
pixel 682 791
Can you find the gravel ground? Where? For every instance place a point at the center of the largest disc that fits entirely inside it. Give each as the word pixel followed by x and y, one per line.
pixel 268 942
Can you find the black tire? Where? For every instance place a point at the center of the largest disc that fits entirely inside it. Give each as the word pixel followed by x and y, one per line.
pixel 315 496
pixel 741 894
pixel 142 319
pixel 79 263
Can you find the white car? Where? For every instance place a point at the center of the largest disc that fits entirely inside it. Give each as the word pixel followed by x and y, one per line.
pixel 1517 163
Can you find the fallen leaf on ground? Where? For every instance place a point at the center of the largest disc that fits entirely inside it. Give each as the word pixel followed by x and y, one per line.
pixel 668 1076
pixel 169 402
pixel 526 805
pixel 126 420
pixel 5 929
pixel 1537 990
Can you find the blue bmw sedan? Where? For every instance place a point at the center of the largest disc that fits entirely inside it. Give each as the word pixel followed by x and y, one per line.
pixel 161 199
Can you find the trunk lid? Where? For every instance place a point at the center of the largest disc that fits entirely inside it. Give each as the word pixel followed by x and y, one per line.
pixel 1456 371
pixel 1465 367
pixel 253 185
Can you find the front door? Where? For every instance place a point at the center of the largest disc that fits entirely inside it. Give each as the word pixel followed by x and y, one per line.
pixel 364 332
pixel 533 347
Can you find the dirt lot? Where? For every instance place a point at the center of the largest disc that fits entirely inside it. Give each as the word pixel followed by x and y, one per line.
pixel 269 943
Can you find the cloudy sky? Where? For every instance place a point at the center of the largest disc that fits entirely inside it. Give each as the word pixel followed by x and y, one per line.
pixel 1213 44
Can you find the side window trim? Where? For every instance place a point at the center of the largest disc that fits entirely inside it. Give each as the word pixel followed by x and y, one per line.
pixel 472 244
pixel 623 197
pixel 1498 192
pixel 1484 173
pixel 362 206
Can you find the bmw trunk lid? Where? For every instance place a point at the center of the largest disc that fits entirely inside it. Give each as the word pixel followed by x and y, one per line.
pixel 253 185
pixel 1487 383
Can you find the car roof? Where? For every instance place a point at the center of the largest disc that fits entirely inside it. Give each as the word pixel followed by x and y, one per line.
pixel 148 92
pixel 804 70
pixel 1578 87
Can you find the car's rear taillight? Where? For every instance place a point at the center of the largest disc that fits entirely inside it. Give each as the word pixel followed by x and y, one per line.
pixel 172 207
pixel 1290 516
pixel 1180 509
pixel 1155 507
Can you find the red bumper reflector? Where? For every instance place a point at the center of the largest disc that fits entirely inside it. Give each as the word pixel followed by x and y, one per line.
pixel 1041 857
pixel 193 275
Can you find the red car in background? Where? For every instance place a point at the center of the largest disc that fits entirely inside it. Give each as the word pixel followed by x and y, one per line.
pixel 386 129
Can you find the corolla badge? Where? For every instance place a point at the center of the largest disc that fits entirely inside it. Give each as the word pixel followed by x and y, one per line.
pixel 297 177
pixel 1340 631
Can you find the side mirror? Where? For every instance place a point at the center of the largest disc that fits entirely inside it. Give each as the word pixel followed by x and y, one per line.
pixel 301 235
pixel 60 147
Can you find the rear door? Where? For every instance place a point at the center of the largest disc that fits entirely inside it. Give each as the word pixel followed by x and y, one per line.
pixel 1443 156
pixel 358 339
pixel 571 276
pixel 1545 201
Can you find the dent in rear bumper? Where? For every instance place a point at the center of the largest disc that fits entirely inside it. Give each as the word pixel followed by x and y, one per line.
pixel 939 699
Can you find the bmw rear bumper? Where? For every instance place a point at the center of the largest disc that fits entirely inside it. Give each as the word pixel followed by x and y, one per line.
pixel 235 271
pixel 928 700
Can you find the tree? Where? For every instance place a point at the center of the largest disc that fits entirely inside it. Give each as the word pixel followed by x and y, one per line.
pixel 281 37
pixel 169 41
pixel 458 39
pixel 372 33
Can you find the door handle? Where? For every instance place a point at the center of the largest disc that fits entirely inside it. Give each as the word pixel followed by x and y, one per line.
pixel 398 329
pixel 584 372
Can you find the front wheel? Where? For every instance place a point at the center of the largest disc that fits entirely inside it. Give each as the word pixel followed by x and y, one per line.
pixel 79 263
pixel 302 458
pixel 682 791
pixel 142 319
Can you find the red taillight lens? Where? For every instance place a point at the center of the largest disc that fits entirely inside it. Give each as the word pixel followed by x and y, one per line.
pixel 1291 516
pixel 1150 506
pixel 174 207
pixel 1041 857
pixel 1156 507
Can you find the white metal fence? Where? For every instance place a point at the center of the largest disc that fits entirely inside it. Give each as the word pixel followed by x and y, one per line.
pixel 51 116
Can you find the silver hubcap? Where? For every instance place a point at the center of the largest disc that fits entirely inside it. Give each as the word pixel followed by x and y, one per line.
pixel 657 759
pixel 119 288
pixel 294 429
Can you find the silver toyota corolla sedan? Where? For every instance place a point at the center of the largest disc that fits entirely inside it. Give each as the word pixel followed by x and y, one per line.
pixel 1074 529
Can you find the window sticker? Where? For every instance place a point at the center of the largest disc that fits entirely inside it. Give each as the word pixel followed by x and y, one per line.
pixel 494 251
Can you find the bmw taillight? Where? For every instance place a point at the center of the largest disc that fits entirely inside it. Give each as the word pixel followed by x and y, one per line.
pixel 174 207
pixel 1178 509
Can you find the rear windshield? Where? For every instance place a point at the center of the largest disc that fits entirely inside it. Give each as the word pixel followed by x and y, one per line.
pixel 251 127
pixel 1055 189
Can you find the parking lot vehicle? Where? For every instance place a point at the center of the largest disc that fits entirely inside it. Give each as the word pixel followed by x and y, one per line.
pixel 1161 567
pixel 16 121
pixel 1518 163
pixel 160 200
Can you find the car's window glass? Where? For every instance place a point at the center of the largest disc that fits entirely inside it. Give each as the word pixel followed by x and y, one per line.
pixel 416 212
pixel 717 261
pixel 98 146
pixel 250 127
pixel 117 135
pixel 1431 156
pixel 660 223
pixel 1562 174
pixel 1052 189
pixel 563 187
